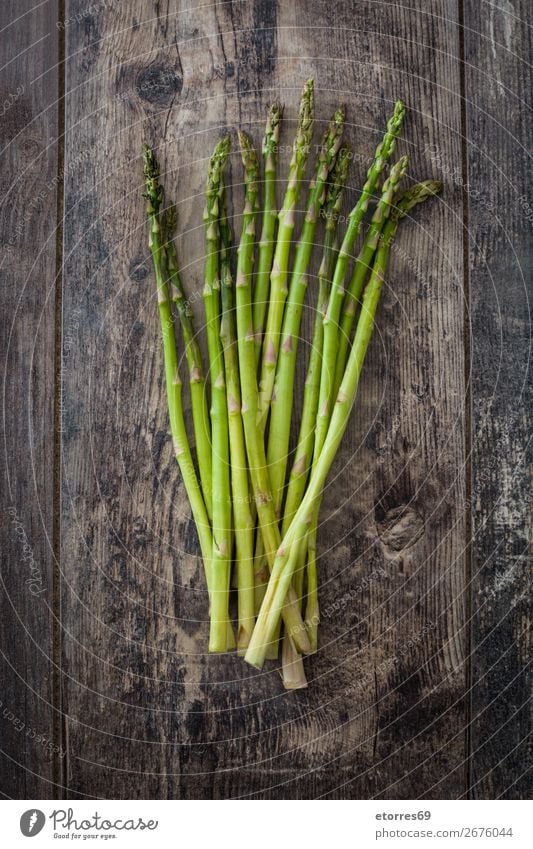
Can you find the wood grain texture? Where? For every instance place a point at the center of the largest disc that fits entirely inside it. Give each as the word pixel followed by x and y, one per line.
pixel 407 618
pixel 149 714
pixel 498 84
pixel 28 191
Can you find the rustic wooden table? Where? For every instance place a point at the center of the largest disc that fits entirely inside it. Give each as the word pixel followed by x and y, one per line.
pixel 419 688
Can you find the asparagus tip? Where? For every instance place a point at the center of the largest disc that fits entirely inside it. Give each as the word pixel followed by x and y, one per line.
pixel 414 195
pixel 332 137
pixel 151 166
pixel 336 124
pixel 340 114
pixel 343 161
pixel 249 156
pixel 304 131
pixel 398 169
pixel 275 114
pixel 307 104
pixel 169 221
pixel 218 158
pixel 270 141
pixel 306 113
pixel 336 128
pixel 214 177
pixel 339 174
pixel 245 141
pixel 400 108
pixel 395 123
pixel 154 190
pixel 222 147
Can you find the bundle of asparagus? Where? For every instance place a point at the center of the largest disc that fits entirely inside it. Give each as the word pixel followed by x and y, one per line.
pixel 257 526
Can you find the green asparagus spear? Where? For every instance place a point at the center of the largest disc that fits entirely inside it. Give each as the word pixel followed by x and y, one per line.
pixel 304 449
pixel 280 265
pixel 200 411
pixel 270 218
pixel 249 394
pixel 244 525
pixel 221 561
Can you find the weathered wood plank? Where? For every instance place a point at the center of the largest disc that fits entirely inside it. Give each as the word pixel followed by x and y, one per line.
pixel 28 191
pixel 498 82
pixel 149 713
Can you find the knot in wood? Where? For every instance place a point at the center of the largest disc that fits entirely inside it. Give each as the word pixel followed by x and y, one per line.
pixel 400 527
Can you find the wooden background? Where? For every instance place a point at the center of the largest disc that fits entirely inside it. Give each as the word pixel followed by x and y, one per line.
pixel 419 689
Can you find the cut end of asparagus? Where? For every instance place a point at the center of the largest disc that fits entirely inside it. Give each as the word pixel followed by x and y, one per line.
pixel 414 195
pixel 244 634
pixel 292 670
pixel 254 659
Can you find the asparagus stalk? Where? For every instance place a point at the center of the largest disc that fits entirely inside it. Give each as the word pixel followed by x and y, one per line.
pixel 359 274
pixel 306 438
pixel 281 404
pixel 287 557
pixel 261 291
pixel 249 392
pixel 383 153
pixel 221 561
pixel 304 449
pixel 261 573
pixel 363 263
pixel 270 217
pixel 278 277
pixel 182 451
pixel 200 411
pixel 312 609
pixel 258 475
pixel 243 522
